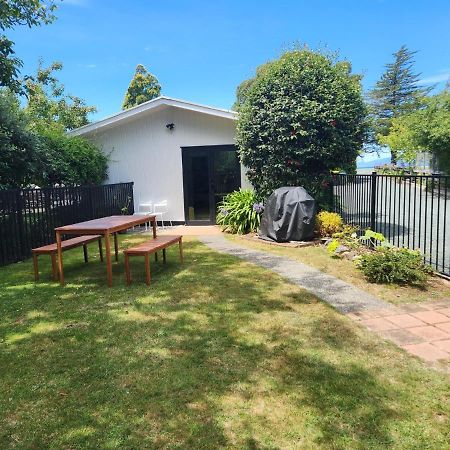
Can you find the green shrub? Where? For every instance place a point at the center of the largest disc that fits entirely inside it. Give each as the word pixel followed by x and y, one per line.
pixel 301 115
pixel 328 223
pixel 239 212
pixel 69 160
pixel 394 265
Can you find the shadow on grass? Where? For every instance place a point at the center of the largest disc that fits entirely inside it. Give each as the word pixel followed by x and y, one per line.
pixel 90 367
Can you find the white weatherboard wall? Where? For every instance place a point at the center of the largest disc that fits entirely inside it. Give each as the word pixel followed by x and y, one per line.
pixel 143 150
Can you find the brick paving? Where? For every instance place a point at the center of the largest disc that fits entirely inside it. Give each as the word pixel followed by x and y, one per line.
pixel 421 329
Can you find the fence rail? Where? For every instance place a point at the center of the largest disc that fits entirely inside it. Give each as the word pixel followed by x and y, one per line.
pixel 28 217
pixel 410 211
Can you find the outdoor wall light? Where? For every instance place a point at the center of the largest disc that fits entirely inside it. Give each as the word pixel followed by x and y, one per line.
pixel 170 126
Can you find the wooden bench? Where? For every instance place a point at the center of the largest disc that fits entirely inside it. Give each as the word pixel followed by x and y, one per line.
pixel 149 247
pixel 52 250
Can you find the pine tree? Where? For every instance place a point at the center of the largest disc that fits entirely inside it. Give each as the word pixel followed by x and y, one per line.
pixel 143 87
pixel 396 93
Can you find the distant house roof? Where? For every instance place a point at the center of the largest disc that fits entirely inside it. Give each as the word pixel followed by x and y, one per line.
pixel 162 101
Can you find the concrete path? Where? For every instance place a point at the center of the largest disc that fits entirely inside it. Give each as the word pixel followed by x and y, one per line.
pixel 342 296
pixel 422 330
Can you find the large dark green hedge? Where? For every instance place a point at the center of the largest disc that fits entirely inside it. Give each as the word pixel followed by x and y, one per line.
pixel 18 145
pixel 303 115
pixel 70 161
pixel 44 157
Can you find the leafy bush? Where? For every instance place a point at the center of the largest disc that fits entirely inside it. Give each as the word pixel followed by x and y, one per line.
pixel 17 144
pixel 394 265
pixel 70 161
pixel 239 212
pixel 302 115
pixel 328 223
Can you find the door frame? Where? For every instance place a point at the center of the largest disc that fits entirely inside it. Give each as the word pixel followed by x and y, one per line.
pixel 209 151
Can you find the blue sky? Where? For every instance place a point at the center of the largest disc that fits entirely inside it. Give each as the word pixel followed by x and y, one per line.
pixel 201 50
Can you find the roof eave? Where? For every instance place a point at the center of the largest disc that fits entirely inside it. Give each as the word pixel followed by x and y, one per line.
pixel 148 106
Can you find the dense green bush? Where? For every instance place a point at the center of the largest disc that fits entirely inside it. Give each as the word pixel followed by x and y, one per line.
pixel 302 115
pixel 70 161
pixel 17 144
pixel 394 265
pixel 239 212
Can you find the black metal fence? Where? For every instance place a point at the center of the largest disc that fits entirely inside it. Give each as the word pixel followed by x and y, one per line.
pixel 410 211
pixel 28 217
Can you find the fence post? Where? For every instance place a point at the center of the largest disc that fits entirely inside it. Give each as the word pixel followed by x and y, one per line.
pixel 373 201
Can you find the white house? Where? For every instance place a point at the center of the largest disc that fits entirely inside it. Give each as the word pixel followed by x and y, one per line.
pixel 172 150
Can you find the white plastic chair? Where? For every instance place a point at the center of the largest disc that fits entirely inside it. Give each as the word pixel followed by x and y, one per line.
pixel 144 209
pixel 159 209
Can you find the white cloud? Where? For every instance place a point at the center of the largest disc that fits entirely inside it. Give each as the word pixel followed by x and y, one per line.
pixel 441 76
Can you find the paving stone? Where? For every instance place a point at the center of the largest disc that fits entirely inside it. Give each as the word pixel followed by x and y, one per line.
pixel 405 321
pixel 444 326
pixel 439 304
pixel 429 333
pixel 401 337
pixel 430 317
pixel 445 311
pixel 443 345
pixel 412 308
pixel 379 324
pixel 426 351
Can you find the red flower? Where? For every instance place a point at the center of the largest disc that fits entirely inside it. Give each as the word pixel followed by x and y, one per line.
pixel 333 123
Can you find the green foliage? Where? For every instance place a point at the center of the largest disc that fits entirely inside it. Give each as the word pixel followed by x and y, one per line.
pixel 328 223
pixel 17 143
pixel 302 115
pixel 143 87
pixel 239 212
pixel 49 106
pixel 19 13
pixel 395 94
pixel 373 238
pixel 426 129
pixel 332 246
pixel 69 161
pixel 394 265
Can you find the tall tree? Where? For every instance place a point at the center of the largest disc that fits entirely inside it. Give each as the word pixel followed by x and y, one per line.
pixel 143 87
pixel 397 92
pixel 426 129
pixel 302 116
pixel 18 13
pixel 48 104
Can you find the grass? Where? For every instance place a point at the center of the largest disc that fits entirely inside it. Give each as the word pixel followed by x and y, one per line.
pixel 217 353
pixel 317 256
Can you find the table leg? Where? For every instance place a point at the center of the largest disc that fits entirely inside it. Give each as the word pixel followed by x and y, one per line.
pixel 116 246
pixel 85 253
pixel 147 269
pixel 127 269
pixel 108 259
pixel 154 227
pixel 60 258
pixel 164 255
pixel 100 248
pixel 54 267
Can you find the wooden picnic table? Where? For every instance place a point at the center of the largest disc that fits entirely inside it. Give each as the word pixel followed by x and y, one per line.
pixel 104 226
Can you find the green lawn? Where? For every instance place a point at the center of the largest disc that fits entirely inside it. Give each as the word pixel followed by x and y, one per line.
pixel 217 353
pixel 317 256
